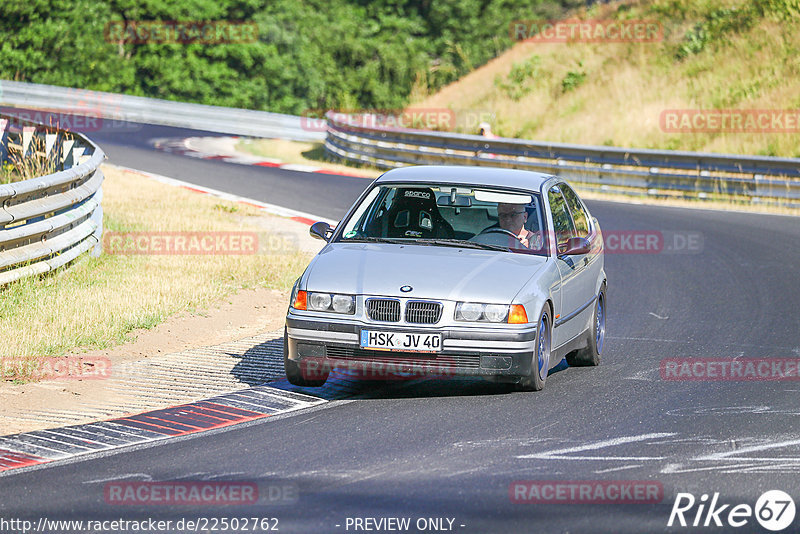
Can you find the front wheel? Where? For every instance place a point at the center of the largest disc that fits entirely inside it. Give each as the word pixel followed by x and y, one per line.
pixel 590 355
pixel 540 359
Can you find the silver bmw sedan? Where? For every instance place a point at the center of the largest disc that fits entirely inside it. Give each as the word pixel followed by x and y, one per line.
pixel 452 271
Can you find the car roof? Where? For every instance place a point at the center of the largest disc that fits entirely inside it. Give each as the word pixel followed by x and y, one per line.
pixel 467 175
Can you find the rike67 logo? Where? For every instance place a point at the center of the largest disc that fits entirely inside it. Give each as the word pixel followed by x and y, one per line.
pixel 774 511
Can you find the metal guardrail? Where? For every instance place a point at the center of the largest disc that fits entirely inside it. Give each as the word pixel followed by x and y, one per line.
pixel 48 221
pixel 627 171
pixel 138 109
pixel 619 170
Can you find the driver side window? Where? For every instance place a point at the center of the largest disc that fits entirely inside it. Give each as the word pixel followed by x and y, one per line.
pixel 562 222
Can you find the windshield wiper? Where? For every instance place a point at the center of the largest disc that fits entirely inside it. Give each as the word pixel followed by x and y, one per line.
pixel 460 244
pixel 436 242
pixel 370 239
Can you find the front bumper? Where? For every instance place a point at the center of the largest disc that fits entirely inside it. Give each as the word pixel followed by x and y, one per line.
pixel 466 351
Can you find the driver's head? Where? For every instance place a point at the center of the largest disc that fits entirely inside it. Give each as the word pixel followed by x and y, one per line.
pixel 512 217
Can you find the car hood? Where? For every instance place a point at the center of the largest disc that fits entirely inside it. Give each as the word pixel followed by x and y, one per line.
pixel 432 271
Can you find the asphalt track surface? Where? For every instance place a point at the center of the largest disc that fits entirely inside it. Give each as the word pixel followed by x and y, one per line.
pixel 453 448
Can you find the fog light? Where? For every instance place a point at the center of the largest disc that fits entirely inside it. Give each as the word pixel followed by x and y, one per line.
pixel 497 363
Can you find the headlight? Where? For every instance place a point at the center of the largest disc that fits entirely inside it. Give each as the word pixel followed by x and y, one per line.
pixel 329 302
pixel 475 311
pixel 343 304
pixel 469 311
pixel 319 301
pixel 495 312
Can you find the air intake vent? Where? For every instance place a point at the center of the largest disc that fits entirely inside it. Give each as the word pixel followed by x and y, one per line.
pixel 421 312
pixel 385 310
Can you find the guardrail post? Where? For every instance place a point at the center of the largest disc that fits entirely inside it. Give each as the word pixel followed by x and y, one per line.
pixel 97 217
pixel 74 156
pixel 49 142
pixel 3 141
pixel 27 138
pixel 66 153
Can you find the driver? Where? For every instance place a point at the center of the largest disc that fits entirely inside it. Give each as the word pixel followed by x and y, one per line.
pixel 512 217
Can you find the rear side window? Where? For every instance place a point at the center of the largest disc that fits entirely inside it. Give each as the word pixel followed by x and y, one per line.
pixel 579 215
pixel 562 222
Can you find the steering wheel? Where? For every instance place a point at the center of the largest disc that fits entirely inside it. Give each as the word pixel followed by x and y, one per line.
pixel 498 236
pixel 498 230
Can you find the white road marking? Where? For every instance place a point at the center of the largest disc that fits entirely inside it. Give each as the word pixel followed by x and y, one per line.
pixel 754 448
pixel 144 477
pixel 643 375
pixel 601 471
pixel 554 454
pixel 677 469
pixel 658 316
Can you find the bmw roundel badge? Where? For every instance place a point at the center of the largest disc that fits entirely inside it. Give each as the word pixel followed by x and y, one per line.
pixel 406 289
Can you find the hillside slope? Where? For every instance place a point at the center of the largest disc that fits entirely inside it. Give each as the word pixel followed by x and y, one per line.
pixel 715 55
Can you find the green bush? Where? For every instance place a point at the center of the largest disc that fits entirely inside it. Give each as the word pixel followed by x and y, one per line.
pixel 573 79
pixel 521 78
pixel 717 24
pixel 780 9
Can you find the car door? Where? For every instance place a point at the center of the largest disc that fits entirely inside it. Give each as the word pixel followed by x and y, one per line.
pixel 565 325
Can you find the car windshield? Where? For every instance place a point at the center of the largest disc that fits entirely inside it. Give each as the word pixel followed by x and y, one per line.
pixel 449 215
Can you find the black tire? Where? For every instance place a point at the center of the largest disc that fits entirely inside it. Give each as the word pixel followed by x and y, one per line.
pixel 540 357
pixel 591 354
pixel 294 370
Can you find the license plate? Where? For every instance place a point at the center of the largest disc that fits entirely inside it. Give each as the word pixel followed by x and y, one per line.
pixel 405 341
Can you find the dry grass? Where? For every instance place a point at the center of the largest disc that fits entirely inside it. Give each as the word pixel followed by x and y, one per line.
pixel 95 303
pixel 19 167
pixel 628 85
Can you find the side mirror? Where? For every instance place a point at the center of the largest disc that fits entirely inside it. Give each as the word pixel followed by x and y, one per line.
pixel 321 230
pixel 574 246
